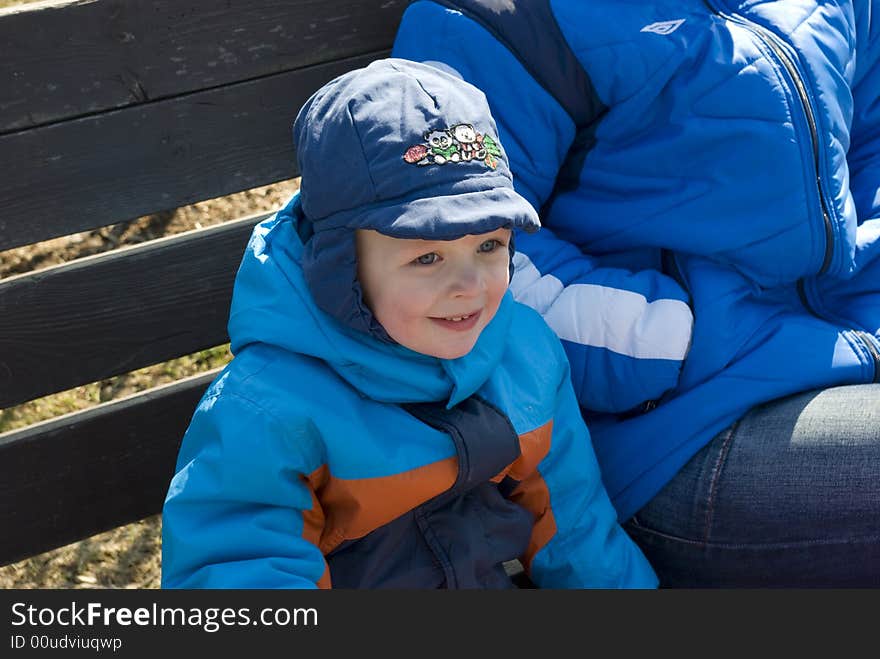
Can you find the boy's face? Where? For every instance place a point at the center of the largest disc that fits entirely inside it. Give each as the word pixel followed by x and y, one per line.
pixel 434 297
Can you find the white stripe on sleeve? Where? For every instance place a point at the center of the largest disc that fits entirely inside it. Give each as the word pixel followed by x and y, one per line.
pixel 621 321
pixel 530 287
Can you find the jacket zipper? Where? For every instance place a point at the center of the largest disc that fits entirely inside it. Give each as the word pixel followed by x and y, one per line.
pixel 769 39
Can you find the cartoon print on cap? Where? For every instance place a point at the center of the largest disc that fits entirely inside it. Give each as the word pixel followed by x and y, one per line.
pixel 458 143
pixel 442 147
pixel 470 140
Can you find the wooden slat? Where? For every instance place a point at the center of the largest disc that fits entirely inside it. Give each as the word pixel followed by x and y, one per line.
pixel 91 471
pixel 90 172
pixel 84 57
pixel 117 312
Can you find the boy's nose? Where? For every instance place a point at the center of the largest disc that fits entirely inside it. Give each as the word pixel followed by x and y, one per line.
pixel 467 281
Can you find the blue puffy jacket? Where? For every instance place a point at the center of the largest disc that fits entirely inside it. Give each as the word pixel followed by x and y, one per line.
pixel 320 455
pixel 708 174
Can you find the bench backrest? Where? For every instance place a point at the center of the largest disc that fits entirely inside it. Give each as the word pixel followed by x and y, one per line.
pixel 110 110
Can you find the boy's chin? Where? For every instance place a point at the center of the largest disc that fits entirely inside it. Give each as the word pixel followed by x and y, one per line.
pixel 453 352
pixel 441 345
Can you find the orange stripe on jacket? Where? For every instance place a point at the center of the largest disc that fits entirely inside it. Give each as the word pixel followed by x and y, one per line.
pixel 346 509
pixel 352 508
pixel 313 521
pixel 532 492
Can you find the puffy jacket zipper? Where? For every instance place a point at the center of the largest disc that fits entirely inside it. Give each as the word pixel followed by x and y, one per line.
pixel 770 40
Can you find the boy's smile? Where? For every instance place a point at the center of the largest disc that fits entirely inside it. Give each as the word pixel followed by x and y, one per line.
pixel 459 323
pixel 434 297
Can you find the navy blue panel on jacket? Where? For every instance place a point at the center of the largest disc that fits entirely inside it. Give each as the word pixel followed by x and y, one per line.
pixel 553 65
pixel 425 548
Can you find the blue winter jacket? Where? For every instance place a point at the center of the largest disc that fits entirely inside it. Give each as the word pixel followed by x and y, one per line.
pixel 323 456
pixel 708 175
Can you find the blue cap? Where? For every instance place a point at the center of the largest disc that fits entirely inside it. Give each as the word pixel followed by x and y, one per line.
pixel 407 150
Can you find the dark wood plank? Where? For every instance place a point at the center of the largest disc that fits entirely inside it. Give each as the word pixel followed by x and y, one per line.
pixel 116 312
pixel 84 473
pixel 84 57
pixel 90 172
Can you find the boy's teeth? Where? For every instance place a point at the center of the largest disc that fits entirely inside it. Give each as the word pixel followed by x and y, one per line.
pixel 458 318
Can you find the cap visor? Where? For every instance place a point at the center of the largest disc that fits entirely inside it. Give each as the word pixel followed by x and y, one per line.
pixel 448 217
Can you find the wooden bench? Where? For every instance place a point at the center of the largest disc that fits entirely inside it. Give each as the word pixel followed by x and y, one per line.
pixel 110 110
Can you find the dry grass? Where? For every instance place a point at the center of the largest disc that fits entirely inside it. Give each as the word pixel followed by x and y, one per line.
pixel 10 3
pixel 127 557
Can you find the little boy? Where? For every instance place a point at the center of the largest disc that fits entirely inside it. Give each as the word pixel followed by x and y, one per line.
pixel 392 418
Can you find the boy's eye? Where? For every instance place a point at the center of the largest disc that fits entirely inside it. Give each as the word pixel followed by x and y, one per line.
pixel 489 245
pixel 427 259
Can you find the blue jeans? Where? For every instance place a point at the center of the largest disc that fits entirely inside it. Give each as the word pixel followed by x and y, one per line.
pixel 789 496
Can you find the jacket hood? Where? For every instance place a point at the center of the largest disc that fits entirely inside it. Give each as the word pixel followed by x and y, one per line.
pixel 273 305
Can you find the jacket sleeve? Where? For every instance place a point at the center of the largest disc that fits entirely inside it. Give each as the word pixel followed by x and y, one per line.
pixel 234 512
pixel 626 333
pixel 577 541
